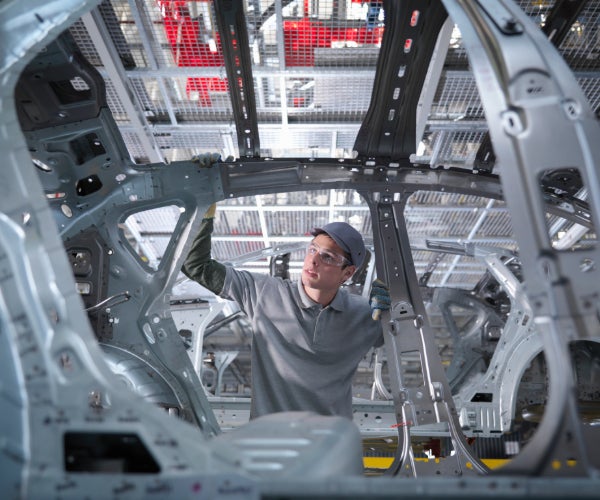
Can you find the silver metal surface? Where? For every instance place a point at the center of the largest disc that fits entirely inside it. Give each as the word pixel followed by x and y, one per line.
pixel 79 374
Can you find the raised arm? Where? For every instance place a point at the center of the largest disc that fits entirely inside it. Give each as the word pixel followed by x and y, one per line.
pixel 199 266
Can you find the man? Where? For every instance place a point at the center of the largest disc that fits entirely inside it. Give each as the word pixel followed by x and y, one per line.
pixel 309 336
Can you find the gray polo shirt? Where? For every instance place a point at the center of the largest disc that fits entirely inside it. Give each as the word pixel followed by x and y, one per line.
pixel 304 356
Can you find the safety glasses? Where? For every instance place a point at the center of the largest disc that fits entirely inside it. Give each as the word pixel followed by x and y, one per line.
pixel 327 258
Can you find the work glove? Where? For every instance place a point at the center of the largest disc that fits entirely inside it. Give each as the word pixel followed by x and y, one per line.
pixel 206 160
pixel 379 298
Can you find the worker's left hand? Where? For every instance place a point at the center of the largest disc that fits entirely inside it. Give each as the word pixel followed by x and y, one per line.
pixel 206 160
pixel 379 298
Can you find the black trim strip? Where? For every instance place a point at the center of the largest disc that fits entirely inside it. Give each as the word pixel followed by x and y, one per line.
pixel 411 31
pixel 238 64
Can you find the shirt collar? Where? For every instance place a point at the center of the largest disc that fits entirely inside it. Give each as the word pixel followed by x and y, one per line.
pixel 337 303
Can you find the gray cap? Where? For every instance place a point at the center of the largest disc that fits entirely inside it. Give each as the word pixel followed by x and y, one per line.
pixel 347 238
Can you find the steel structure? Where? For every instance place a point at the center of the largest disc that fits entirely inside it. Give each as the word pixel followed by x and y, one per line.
pixel 102 394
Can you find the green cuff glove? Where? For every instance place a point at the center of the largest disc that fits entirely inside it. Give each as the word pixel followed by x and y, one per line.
pixel 210 211
pixel 379 298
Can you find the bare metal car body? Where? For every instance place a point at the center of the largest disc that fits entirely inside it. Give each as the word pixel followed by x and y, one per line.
pixel 71 428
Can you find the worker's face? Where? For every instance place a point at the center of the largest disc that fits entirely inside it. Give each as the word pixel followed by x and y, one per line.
pixel 317 272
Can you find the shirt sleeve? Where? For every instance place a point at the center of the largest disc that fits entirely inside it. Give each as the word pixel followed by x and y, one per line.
pixel 199 266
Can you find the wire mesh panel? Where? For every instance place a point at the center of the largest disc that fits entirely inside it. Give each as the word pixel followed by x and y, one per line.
pixel 580 45
pixel 591 88
pixel 134 145
pixel 449 147
pixel 150 231
pixel 85 43
pixel 343 97
pixel 457 98
pixel 313 64
pixel 455 219
pixel 185 40
pixel 124 33
pixel 249 230
pixel 320 58
pixel 115 104
pixel 151 100
pixel 307 141
pixel 183 144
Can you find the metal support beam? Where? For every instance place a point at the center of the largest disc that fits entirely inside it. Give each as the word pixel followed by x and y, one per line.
pixel 525 84
pixel 389 128
pixel 238 63
pixel 410 345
